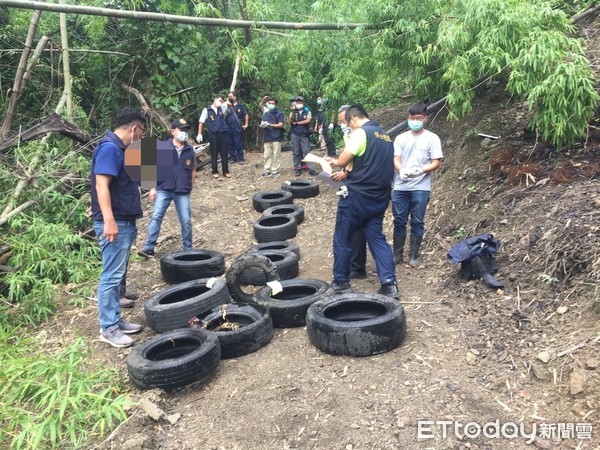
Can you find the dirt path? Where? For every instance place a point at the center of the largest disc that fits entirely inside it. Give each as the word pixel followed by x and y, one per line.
pixel 465 358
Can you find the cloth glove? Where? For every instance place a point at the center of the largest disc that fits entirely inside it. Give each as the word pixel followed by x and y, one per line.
pixel 264 124
pixel 199 138
pixel 404 174
pixel 415 172
pixel 330 126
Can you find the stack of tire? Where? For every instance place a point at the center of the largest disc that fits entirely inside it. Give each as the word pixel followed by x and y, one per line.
pixel 280 218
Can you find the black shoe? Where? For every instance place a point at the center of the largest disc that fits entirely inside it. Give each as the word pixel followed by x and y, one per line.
pixel 389 290
pixel 399 249
pixel 341 288
pixel 298 172
pixel 146 253
pixel 358 274
pixel 312 173
pixel 131 295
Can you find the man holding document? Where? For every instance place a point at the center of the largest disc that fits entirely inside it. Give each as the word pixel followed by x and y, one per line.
pixel 364 201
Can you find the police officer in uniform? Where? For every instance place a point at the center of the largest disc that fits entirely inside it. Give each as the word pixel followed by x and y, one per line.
pixel 115 208
pixel 176 187
pixel 237 121
pixel 213 118
pixel 371 153
pixel 299 120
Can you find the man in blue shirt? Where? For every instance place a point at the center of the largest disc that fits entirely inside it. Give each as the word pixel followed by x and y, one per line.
pixel 237 121
pixel 272 122
pixel 371 153
pixel 177 157
pixel 115 208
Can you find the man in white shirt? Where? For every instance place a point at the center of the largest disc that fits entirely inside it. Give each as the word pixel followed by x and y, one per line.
pixel 417 153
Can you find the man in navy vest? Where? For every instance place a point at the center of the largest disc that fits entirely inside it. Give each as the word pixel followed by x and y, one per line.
pixel 213 118
pixel 115 207
pixel 177 157
pixel 237 122
pixel 300 119
pixel 368 193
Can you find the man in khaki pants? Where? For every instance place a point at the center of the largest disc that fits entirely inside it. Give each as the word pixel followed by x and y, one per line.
pixel 272 123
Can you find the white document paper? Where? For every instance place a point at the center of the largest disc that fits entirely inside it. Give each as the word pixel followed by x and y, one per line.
pixel 321 161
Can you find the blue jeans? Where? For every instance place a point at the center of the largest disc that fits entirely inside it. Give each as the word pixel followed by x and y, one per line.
pixel 115 256
pixel 413 202
pixel 182 206
pixel 236 145
pixel 353 213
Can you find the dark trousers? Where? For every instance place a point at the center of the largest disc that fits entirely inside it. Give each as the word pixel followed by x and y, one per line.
pixel 329 141
pixel 218 146
pixel 236 144
pixel 353 213
pixel 358 260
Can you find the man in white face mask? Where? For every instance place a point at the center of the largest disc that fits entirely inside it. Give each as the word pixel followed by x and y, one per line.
pixel 417 153
pixel 176 172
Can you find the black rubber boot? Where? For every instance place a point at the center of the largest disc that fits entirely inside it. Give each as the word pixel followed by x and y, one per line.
pixel 415 245
pixel 487 277
pixel 390 290
pixel 399 249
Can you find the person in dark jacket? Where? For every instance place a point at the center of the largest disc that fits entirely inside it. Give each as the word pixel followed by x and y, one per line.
pixel 363 204
pixel 116 206
pixel 299 120
pixel 272 122
pixel 176 187
pixel 213 117
pixel 237 121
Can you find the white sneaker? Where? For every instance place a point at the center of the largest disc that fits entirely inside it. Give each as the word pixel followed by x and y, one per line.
pixel 115 337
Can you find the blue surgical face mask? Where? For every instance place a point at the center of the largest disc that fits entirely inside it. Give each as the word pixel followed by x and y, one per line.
pixel 271 106
pixel 415 125
pixel 181 136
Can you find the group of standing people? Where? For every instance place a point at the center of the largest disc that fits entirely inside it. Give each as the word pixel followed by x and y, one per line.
pixel 370 162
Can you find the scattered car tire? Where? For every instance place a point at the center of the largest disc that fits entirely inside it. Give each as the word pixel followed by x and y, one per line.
pixel 173 307
pixel 279 245
pixel 244 262
pixel 288 308
pixel 297 211
pixel 285 262
pixel 267 199
pixel 255 328
pixel 275 228
pixel 174 359
pixel 189 265
pixel 356 324
pixel 301 188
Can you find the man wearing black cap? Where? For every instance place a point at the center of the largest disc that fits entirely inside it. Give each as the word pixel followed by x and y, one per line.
pixel 176 174
pixel 300 119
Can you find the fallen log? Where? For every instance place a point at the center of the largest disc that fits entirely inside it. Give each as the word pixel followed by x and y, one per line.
pixel 53 123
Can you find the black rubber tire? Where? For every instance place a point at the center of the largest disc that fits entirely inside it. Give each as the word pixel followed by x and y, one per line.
pixel 267 199
pixel 173 307
pixel 189 265
pixel 275 228
pixel 294 210
pixel 285 262
pixel 174 359
pixel 255 331
pixel 356 324
pixel 301 188
pixel 288 308
pixel 279 245
pixel 242 263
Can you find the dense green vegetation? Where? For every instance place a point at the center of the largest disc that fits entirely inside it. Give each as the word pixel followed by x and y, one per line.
pixel 431 48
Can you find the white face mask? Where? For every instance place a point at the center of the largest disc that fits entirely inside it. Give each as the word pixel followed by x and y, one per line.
pixel 345 128
pixel 218 103
pixel 181 136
